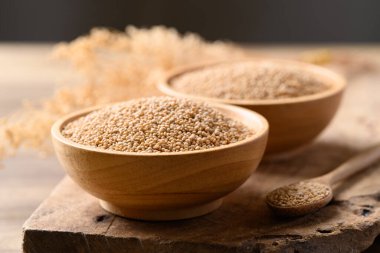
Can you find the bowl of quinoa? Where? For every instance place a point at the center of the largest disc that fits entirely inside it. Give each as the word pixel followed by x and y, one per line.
pixel 160 158
pixel 298 99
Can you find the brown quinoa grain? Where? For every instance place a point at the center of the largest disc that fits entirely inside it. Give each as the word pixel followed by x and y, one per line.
pixel 249 80
pixel 298 194
pixel 156 124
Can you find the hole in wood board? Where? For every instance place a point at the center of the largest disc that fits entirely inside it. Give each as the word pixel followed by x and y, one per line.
pixel 102 217
pixel 366 212
pixel 325 230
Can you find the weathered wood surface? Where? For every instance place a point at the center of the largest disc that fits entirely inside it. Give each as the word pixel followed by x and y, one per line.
pixel 72 221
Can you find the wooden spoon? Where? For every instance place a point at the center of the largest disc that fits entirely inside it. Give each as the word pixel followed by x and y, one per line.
pixel 308 196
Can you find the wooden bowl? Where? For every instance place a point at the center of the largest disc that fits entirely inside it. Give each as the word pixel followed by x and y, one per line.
pixel 163 186
pixel 293 122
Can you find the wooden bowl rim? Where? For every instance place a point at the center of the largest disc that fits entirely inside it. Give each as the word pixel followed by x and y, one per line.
pixel 260 133
pixel 338 82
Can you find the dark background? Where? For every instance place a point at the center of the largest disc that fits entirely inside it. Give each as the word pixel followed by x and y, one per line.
pixel 240 20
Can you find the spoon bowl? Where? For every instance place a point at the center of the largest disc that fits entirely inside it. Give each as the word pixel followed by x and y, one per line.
pixel 299 209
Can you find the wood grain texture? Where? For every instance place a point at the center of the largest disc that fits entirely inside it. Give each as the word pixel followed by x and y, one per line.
pixel 243 223
pixel 163 186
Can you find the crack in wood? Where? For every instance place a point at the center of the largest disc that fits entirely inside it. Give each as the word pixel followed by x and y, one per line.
pixel 101 218
pixel 109 226
pixel 325 230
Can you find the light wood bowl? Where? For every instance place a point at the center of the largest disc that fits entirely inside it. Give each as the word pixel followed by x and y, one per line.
pixel 294 122
pixel 163 186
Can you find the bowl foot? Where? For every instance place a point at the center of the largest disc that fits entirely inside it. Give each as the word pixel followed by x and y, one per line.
pixel 161 215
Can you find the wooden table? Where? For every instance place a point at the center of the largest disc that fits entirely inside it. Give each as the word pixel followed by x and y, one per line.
pixel 25 180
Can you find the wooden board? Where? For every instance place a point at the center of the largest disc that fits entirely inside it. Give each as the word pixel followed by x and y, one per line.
pixel 72 221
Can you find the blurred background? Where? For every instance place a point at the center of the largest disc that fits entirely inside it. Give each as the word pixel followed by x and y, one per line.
pixel 241 20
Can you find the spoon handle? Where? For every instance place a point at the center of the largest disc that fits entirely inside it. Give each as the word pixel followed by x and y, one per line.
pixel 353 165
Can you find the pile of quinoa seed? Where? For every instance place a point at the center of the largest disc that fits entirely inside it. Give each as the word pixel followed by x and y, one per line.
pixel 249 81
pixel 298 194
pixel 156 124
